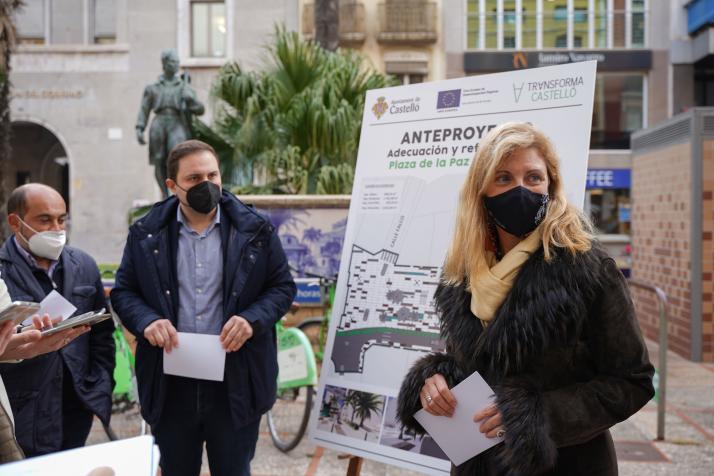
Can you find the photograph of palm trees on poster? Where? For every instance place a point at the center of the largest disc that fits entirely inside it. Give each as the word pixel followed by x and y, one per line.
pixel 395 435
pixel 351 413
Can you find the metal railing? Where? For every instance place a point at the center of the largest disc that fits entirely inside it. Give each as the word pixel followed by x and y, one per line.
pixel 662 361
pixel 351 21
pixel 408 21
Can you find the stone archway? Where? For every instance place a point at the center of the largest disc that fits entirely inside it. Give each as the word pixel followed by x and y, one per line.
pixel 39 156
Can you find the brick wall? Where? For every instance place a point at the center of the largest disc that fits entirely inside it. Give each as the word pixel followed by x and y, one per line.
pixel 661 196
pixel 707 251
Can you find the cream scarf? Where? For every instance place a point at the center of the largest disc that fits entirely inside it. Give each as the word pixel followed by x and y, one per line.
pixel 494 279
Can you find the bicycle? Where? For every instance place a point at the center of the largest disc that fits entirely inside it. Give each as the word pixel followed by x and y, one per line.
pixel 297 378
pixel 300 354
pixel 125 395
pixel 316 328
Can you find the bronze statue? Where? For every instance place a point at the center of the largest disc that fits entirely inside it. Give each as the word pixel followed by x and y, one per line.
pixel 173 101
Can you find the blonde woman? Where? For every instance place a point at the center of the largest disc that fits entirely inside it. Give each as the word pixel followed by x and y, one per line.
pixel 530 301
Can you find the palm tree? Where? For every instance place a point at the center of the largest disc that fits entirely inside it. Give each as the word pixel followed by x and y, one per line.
pixel 8 37
pixel 312 234
pixel 285 218
pixel 296 124
pixel 367 403
pixel 351 400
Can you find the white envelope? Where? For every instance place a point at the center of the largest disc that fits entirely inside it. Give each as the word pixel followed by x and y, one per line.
pixel 197 356
pixel 459 435
pixel 55 305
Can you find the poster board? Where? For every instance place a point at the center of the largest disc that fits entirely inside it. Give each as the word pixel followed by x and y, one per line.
pixel 417 143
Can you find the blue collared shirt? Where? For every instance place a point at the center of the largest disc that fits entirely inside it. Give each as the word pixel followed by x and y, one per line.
pixel 199 265
pixel 33 262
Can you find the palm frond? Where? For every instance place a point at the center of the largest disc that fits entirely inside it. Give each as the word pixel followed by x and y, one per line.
pixel 298 121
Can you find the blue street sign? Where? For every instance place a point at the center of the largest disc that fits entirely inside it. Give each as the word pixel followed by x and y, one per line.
pixel 308 291
pixel 608 178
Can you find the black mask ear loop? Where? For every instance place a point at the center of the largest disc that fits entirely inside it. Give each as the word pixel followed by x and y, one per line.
pixel 177 197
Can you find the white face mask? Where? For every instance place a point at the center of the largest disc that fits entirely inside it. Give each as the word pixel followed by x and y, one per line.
pixel 45 244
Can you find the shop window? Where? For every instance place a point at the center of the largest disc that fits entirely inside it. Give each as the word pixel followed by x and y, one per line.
pixel 703 86
pixel 208 29
pixel 609 210
pixel 617 110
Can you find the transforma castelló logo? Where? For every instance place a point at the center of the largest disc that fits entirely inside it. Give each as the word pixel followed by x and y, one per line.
pixel 380 107
pixel 517 90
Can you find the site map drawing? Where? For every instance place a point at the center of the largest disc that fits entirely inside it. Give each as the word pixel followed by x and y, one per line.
pixel 394 269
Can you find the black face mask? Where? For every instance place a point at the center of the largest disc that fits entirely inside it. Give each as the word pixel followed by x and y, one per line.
pixel 203 197
pixel 517 211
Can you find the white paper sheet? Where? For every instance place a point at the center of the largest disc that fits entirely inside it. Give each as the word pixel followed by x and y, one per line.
pixel 155 459
pixel 459 435
pixel 55 305
pixel 197 356
pixel 129 457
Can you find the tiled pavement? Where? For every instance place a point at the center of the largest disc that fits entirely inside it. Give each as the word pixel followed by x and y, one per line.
pixel 688 449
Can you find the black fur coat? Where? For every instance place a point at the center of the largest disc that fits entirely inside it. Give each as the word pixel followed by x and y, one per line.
pixel 565 357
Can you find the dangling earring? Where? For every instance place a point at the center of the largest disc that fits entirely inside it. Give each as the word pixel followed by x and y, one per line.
pixel 542 210
pixel 493 236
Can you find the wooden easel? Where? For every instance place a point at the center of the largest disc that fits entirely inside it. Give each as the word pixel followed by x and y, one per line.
pixel 355 466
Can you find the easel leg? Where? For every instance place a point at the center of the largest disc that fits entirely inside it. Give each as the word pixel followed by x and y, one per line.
pixel 355 466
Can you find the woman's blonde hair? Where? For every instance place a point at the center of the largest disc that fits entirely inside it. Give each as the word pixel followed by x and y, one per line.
pixel 563 226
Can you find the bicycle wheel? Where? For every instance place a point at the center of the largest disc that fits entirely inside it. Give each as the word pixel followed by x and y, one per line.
pixel 312 328
pixel 287 420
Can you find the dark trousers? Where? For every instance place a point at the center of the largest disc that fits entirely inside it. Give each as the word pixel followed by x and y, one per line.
pixel 197 411
pixel 76 418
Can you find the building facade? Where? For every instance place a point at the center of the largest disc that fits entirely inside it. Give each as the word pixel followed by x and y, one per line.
pixel 404 38
pixel 673 229
pixel 77 81
pixel 633 79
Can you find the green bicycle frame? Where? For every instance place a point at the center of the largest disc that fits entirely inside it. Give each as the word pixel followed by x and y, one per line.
pixel 296 360
pixel 124 385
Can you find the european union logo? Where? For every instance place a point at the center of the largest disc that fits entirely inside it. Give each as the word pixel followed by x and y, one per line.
pixel 447 99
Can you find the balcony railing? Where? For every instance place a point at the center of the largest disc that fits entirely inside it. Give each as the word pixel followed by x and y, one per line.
pixel 413 22
pixel 351 18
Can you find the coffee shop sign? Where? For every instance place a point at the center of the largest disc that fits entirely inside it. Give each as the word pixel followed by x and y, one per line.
pixel 47 93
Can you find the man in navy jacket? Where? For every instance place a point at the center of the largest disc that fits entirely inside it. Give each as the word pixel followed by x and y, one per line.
pixel 55 396
pixel 203 262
